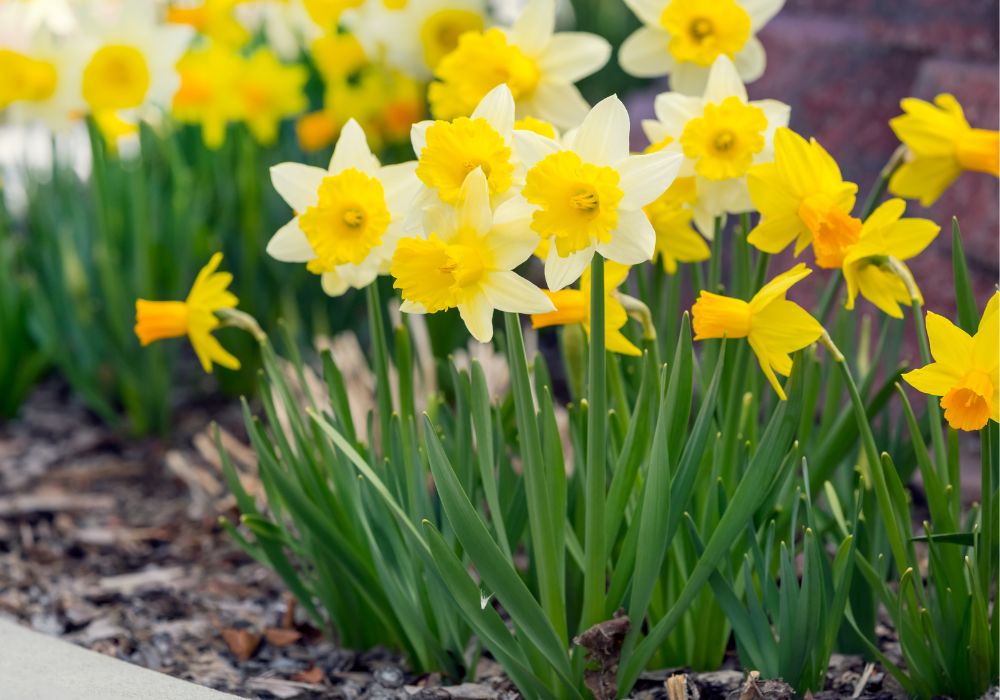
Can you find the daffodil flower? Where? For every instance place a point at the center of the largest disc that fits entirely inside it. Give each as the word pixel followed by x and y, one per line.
pixel 448 151
pixel 415 35
pixel 43 83
pixel 941 146
pixel 683 38
pixel 773 325
pixel 588 192
pixel 270 91
pixel 573 306
pixel 802 197
pixel 194 317
pixel 132 66
pixel 538 65
pixel 966 370
pixel 207 95
pixel 214 19
pixel 348 217
pixel 866 263
pixel 466 260
pixel 721 135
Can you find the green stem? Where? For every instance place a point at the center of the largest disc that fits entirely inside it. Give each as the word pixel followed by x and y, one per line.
pixel 380 351
pixel 594 552
pixel 875 472
pixel 933 409
pixel 715 262
pixel 985 547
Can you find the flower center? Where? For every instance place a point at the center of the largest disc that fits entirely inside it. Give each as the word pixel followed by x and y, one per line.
pixel 455 149
pixel 480 62
pixel 348 220
pixel 701 30
pixel 967 406
pixel 117 77
pixel 155 320
pixel 439 275
pixel 578 202
pixel 716 316
pixel 833 230
pixel 725 139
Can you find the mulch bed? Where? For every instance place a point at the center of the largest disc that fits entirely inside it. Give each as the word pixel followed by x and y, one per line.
pixel 114 545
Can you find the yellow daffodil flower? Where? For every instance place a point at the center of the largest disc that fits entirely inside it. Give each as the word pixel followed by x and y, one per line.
pixel 466 261
pixel 316 130
pixel 676 239
pixel 538 65
pixel 194 317
pixel 588 192
pixel 212 18
pixel 270 92
pixel 773 325
pixel 449 151
pixel 721 135
pixel 207 94
pixel 966 370
pixel 683 38
pixel 941 145
pixel 866 265
pixel 348 217
pixel 337 55
pixel 802 197
pixel 573 306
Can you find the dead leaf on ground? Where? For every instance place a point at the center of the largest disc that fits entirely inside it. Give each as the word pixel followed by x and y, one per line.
pixel 279 637
pixel 603 643
pixel 242 642
pixel 313 674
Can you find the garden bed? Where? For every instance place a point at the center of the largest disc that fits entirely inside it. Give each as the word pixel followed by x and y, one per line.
pixel 114 545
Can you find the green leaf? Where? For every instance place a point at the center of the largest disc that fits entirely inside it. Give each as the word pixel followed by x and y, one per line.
pixel 968 313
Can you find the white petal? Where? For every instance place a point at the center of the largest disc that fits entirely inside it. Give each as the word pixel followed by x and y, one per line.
pixel 508 291
pixel 777 113
pixel 558 103
pixel 401 185
pixel 333 284
pixel 644 53
pixel 644 178
pixel 761 11
pixel 560 272
pixel 358 276
pixel 474 207
pixel 531 147
pixel 655 131
pixel 632 242
pixel 298 184
pixel 649 11
pixel 705 221
pixel 289 244
pixel 497 107
pixel 411 307
pixel 418 136
pixel 751 60
pixel 675 110
pixel 352 151
pixel 572 56
pixel 689 78
pixel 533 29
pixel 724 81
pixel 603 136
pixel 478 316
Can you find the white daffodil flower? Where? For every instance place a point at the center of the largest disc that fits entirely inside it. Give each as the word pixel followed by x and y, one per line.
pixel 683 38
pixel 348 217
pixel 588 192
pixel 539 66
pixel 721 135
pixel 465 260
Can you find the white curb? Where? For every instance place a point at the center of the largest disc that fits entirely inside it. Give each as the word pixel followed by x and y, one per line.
pixel 36 667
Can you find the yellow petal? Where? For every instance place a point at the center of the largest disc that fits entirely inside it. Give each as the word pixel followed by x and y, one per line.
pixel 935 379
pixel 950 345
pixel 924 178
pixel 985 355
pixel 908 237
pixel 778 286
